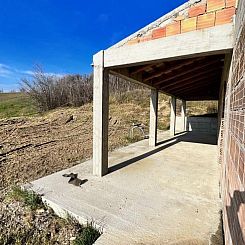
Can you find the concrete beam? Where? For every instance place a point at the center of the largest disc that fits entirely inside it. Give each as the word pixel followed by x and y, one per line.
pixel 153 117
pixel 183 115
pixel 214 40
pixel 100 116
pixel 173 116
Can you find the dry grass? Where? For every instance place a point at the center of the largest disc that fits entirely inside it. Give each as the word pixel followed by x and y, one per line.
pixel 34 147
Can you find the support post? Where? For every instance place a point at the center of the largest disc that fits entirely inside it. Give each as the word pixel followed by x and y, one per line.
pixel 173 116
pixel 153 117
pixel 100 116
pixel 183 115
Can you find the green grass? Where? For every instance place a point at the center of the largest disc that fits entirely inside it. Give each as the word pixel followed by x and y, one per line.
pixel 88 235
pixel 16 105
pixel 29 198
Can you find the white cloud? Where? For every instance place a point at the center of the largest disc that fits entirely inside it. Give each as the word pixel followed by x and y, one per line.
pixel 5 71
pixel 52 74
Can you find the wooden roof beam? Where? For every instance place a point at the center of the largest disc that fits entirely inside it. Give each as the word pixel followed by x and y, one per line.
pixel 202 84
pixel 186 72
pixel 142 68
pixel 200 73
pixel 179 86
pixel 174 68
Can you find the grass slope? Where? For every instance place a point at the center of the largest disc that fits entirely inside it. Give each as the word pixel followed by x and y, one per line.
pixel 16 105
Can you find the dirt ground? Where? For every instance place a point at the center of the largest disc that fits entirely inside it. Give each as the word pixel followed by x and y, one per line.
pixel 34 147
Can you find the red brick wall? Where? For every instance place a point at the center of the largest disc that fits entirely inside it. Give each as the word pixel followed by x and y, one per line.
pixel 205 14
pixel 233 193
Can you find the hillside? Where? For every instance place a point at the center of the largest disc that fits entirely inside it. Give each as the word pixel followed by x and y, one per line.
pixel 16 105
pixel 34 146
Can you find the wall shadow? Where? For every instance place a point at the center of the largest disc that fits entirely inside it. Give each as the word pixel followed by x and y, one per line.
pixel 232 216
pixel 186 137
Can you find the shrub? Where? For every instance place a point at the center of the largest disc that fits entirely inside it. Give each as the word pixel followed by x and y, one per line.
pixel 50 92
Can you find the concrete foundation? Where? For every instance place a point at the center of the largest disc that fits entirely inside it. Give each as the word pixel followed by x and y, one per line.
pixel 165 195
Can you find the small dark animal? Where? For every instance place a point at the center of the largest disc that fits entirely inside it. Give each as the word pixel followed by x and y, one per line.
pixel 74 180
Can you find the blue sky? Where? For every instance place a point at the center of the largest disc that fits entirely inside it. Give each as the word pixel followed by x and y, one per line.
pixel 62 35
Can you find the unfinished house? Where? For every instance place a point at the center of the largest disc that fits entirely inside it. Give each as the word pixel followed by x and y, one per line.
pixel 171 188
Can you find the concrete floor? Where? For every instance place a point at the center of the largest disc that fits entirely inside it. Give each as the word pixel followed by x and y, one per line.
pixel 163 195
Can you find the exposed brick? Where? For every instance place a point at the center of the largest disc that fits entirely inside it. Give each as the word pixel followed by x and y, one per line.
pixel 146 38
pixel 133 41
pixel 159 33
pixel 189 25
pixel 179 18
pixel 197 10
pixel 225 16
pixel 205 21
pixel 213 5
pixel 231 3
pixel 173 29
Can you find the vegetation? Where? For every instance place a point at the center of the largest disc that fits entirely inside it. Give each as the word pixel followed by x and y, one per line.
pixel 50 92
pixel 29 198
pixel 88 235
pixel 16 105
pixel 56 140
pixel 39 225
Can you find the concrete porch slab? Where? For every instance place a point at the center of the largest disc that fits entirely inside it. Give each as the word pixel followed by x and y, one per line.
pixel 168 194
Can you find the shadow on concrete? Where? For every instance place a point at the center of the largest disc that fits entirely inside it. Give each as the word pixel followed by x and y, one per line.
pixel 181 137
pixel 235 228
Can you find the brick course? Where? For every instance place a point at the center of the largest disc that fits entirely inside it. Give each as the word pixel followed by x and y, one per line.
pixel 197 10
pixel 189 25
pixel 225 16
pixel 205 21
pixel 197 17
pixel 231 3
pixel 173 29
pixel 233 166
pixel 213 5
pixel 158 33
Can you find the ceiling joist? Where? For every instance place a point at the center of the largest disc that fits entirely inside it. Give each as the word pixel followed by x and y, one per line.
pixel 187 72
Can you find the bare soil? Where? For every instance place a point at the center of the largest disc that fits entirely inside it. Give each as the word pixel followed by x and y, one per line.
pixel 33 147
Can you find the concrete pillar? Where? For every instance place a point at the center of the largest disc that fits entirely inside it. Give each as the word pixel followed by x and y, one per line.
pixel 100 116
pixel 173 116
pixel 183 115
pixel 153 117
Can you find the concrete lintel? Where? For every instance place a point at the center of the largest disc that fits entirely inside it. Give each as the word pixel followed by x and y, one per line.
pixel 215 40
pixel 173 116
pixel 153 117
pixel 100 116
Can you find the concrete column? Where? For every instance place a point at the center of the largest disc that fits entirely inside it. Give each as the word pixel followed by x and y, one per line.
pixel 183 114
pixel 100 116
pixel 173 116
pixel 153 117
